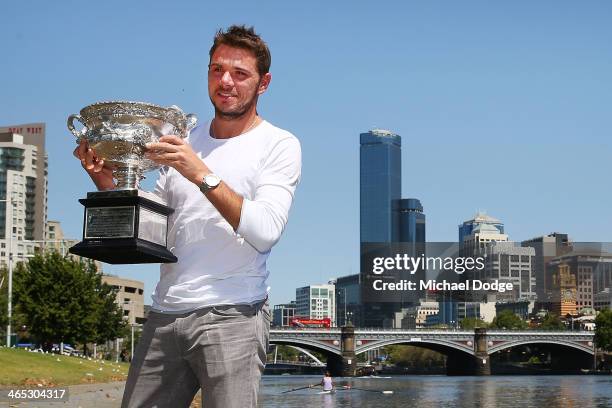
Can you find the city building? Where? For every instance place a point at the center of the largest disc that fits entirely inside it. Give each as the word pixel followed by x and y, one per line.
pixel 380 181
pixel 563 292
pixel 55 240
pixel 348 300
pixel 507 262
pixel 467 228
pixel 602 300
pixel 316 302
pixel 385 218
pixel 449 309
pixel 23 190
pixel 130 296
pixel 590 267
pixel 476 238
pixel 432 320
pixel 481 236
pixel 484 311
pixel 415 317
pixel 522 308
pixel 411 220
pixel 282 314
pixel 547 247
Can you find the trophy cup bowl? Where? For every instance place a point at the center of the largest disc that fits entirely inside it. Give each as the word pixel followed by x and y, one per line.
pixel 126 225
pixel 118 132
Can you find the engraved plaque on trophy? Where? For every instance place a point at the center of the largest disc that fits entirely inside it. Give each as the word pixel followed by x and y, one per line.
pixel 126 225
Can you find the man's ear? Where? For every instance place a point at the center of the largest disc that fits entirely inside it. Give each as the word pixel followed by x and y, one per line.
pixel 264 83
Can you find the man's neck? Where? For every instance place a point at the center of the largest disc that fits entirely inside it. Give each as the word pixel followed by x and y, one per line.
pixel 222 128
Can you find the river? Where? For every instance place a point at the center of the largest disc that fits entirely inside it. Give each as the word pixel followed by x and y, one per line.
pixel 582 391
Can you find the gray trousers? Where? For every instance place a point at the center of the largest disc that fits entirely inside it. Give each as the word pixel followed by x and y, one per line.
pixel 220 349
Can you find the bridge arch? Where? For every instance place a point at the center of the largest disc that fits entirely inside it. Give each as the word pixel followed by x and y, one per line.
pixel 516 343
pixel 308 353
pixel 442 346
pixel 309 344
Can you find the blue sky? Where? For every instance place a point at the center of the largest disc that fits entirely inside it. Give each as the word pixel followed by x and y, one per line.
pixel 505 108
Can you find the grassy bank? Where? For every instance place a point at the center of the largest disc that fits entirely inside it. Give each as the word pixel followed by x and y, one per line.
pixel 19 367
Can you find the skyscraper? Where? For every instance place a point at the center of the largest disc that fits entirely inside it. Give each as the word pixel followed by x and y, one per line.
pixel 23 189
pixel 380 167
pixel 410 220
pixel 547 247
pixel 480 218
pixel 385 218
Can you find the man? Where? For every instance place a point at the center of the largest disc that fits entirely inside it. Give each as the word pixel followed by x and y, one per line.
pixel 327 382
pixel 231 185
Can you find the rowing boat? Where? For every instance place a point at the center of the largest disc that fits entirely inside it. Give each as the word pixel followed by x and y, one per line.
pixel 326 392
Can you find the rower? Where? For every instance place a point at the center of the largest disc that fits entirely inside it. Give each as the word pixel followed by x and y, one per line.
pixel 327 382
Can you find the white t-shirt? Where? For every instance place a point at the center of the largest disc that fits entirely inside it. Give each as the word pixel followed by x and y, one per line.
pixel 217 265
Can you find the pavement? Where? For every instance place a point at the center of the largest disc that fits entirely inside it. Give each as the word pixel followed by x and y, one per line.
pixel 101 395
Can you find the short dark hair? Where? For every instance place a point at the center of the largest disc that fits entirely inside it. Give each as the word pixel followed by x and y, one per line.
pixel 244 37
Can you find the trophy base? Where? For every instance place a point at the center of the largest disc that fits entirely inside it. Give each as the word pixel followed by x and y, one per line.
pixel 124 227
pixel 123 251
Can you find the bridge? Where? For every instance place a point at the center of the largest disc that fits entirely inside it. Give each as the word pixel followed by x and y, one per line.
pixel 468 352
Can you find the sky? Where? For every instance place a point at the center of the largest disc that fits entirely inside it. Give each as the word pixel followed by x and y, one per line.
pixel 502 107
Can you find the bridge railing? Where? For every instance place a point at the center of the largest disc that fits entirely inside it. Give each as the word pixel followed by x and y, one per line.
pixel 300 363
pixel 422 330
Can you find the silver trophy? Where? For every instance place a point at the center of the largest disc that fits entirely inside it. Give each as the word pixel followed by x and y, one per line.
pixel 126 225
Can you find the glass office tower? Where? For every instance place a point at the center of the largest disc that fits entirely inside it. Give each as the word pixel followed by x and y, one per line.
pixel 380 168
pixel 411 220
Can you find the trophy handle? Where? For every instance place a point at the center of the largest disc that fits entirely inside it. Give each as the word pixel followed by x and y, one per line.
pixel 73 130
pixel 192 119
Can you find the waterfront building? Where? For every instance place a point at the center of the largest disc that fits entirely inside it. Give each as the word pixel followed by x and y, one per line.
pixel 563 288
pixel 380 165
pixel 602 300
pixel 475 237
pixel 385 218
pixel 348 300
pixel 522 308
pixel 283 313
pixel 484 311
pixel 547 247
pixel 316 302
pixel 415 317
pixel 507 262
pixel 411 220
pixel 590 267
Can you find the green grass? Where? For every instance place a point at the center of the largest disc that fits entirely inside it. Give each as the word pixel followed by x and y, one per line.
pixel 19 367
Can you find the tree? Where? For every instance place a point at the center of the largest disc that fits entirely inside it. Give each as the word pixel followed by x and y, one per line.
pixel 603 330
pixel 109 317
pixel 470 323
pixel 64 300
pixel 552 322
pixel 3 299
pixel 411 356
pixel 508 320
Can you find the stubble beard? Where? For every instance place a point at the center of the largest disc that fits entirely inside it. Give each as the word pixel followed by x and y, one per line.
pixel 238 112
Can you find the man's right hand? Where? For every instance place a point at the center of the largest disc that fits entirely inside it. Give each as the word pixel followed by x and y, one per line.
pixel 101 176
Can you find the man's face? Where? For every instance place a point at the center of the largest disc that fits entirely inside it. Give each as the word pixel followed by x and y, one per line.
pixel 233 81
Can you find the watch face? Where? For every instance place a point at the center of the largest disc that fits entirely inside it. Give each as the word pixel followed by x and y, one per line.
pixel 212 180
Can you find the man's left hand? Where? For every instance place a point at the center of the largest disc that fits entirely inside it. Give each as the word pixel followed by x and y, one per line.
pixel 173 151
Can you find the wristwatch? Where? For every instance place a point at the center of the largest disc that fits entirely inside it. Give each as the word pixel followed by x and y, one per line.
pixel 209 182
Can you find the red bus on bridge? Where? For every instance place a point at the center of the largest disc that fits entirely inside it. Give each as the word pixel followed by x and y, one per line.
pixel 310 323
